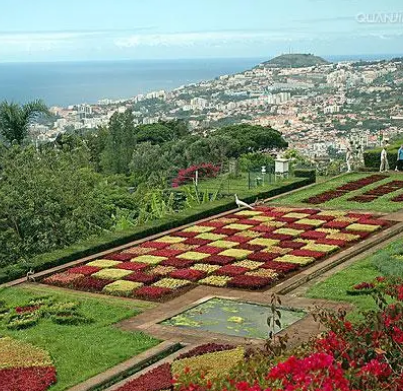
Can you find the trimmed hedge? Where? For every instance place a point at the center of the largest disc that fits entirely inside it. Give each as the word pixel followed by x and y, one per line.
pixel 113 239
pixel 305 173
pixel 372 157
pixel 384 260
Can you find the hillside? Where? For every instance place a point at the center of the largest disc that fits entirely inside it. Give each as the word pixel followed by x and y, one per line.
pixel 295 60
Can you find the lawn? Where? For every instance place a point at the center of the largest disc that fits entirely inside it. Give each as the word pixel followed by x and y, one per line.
pixel 382 204
pixel 227 185
pixel 82 351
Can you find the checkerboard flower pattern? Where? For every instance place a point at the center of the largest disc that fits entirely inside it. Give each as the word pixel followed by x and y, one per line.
pixel 249 249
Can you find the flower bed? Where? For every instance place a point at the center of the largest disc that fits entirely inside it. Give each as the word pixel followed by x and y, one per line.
pixel 344 189
pixel 232 251
pixel 373 194
pixel 24 367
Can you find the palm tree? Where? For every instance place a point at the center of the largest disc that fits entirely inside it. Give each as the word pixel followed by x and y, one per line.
pixel 15 119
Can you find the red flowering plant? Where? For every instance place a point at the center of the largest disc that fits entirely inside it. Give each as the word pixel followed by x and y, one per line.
pixel 187 175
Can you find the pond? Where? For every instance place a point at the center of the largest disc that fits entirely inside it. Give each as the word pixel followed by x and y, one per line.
pixel 232 317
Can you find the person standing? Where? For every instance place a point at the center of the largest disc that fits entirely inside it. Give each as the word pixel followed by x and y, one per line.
pixel 349 159
pixel 399 165
pixel 384 160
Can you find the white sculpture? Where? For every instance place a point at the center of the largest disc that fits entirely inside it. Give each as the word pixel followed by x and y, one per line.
pixel 242 204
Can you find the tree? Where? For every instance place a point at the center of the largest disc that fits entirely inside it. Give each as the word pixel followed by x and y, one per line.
pixel 15 120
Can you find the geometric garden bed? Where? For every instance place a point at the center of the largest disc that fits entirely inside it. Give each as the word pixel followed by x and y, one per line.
pixel 250 249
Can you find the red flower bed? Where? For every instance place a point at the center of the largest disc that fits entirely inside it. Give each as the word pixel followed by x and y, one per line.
pixel 249 222
pixel 307 211
pixel 271 235
pixel 263 256
pixel 287 219
pixel 209 250
pixel 152 292
pixel 313 235
pixel 218 260
pixel 179 263
pixel 303 227
pixel 280 267
pixel 225 231
pixel 250 247
pixel 188 274
pixel 135 266
pixel 264 228
pixel 158 245
pixel 119 257
pixel 382 223
pixel 336 224
pixel 196 241
pixel 249 282
pixel 332 242
pixel 90 284
pixel 291 244
pixel 379 191
pixel 183 234
pixel 238 239
pixel 231 271
pixel 166 252
pixel 142 277
pixel 85 270
pixel 157 379
pixel 308 253
pixel 27 379
pixel 187 175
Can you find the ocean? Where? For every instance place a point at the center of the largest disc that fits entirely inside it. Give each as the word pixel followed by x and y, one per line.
pixel 67 83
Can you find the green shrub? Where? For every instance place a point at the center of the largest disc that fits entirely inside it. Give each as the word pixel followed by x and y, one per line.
pixel 305 173
pixel 70 319
pixel 372 157
pixel 385 261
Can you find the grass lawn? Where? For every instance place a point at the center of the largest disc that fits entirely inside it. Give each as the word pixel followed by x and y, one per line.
pixel 381 204
pixel 334 288
pixel 80 352
pixel 240 185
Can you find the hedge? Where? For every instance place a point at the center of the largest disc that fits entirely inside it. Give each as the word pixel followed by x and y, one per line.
pixel 113 239
pixel 305 173
pixel 372 157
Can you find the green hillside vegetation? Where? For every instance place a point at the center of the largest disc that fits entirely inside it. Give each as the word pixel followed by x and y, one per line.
pixel 295 60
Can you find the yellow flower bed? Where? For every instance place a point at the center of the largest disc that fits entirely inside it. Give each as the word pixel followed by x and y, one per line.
pixel 172 283
pixel 239 227
pixel 103 263
pixel 296 215
pixel 314 223
pixel 210 236
pixel 323 248
pixel 277 250
pixel 328 230
pixel 263 218
pixel 150 259
pixel 224 220
pixel 276 224
pixel 193 256
pixel 289 231
pixel 182 247
pixel 162 270
pixel 19 354
pixel 265 273
pixel 139 250
pixel 224 244
pixel 295 259
pixel 199 228
pixel 170 239
pixel 204 267
pixel 122 287
pixel 236 253
pixel 307 241
pixel 347 219
pixel 112 274
pixel 249 234
pixel 342 236
pixel 335 213
pixel 212 364
pixel 251 265
pixel 264 242
pixel 284 209
pixel 215 280
pixel 363 227
pixel 249 213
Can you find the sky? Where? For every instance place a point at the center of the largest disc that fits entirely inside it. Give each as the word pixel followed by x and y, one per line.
pixel 77 30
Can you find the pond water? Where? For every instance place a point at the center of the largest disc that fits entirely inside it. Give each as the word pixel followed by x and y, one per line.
pixel 231 317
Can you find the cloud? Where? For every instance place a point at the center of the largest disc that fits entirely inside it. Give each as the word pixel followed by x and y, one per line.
pixel 203 38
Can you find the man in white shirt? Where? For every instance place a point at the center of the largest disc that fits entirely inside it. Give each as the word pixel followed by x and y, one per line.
pixel 349 159
pixel 384 160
